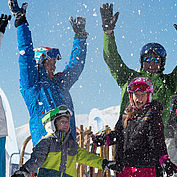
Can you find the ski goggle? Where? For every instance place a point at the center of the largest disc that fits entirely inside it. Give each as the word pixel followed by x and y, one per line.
pixel 53 53
pixel 149 59
pixel 139 86
pixel 56 113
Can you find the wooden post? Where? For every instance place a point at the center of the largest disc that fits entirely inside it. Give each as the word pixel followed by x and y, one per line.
pixel 113 155
pixel 81 145
pixel 87 138
pixel 86 135
pixel 108 174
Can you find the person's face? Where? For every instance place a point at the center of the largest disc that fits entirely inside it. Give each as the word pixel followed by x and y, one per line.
pixel 140 98
pixel 63 124
pixel 50 67
pixel 151 66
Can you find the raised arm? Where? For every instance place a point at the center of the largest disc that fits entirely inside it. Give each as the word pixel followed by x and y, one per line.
pixel 117 67
pixel 27 64
pixel 76 63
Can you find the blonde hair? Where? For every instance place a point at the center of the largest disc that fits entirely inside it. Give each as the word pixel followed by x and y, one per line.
pixel 130 110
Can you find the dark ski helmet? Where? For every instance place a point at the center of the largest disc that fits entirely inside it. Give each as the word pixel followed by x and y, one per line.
pixel 155 48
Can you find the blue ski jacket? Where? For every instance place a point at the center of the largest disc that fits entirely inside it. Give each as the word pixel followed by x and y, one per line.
pixel 39 92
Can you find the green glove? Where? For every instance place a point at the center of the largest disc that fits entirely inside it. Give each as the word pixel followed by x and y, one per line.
pixel 108 20
pixel 19 13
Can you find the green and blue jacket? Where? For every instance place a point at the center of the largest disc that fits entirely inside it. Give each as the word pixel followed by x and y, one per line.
pixel 57 157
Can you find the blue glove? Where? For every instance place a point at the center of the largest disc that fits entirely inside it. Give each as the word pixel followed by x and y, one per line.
pixel 19 13
pixel 3 22
pixel 169 167
pixel 78 25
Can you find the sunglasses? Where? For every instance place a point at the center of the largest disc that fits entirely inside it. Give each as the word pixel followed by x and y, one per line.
pixel 53 53
pixel 139 86
pixel 154 59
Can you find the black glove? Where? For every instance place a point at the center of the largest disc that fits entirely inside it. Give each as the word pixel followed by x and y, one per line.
pixel 18 12
pixel 22 172
pixel 169 167
pixel 99 140
pixel 108 20
pixel 112 165
pixel 3 22
pixel 175 25
pixel 78 25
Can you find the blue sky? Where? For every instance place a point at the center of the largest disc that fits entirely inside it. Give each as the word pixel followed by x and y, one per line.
pixel 140 22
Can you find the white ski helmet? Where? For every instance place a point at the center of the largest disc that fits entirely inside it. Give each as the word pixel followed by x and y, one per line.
pixel 49 119
pixel 43 53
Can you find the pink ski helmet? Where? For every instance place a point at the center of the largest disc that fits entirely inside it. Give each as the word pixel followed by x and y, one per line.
pixel 140 84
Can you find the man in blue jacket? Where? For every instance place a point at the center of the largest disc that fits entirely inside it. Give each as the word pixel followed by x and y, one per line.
pixel 41 89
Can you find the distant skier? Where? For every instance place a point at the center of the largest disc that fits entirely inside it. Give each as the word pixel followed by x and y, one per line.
pixel 139 135
pixel 3 124
pixel 56 155
pixel 152 59
pixel 41 89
